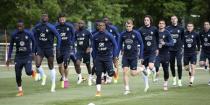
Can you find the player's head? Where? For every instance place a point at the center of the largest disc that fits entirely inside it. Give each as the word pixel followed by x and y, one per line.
pixel 190 26
pixel 129 25
pixel 76 26
pixel 206 25
pixel 62 18
pixel 101 26
pixel 44 17
pixel 174 20
pixel 20 25
pixel 162 24
pixel 106 20
pixel 81 24
pixel 148 20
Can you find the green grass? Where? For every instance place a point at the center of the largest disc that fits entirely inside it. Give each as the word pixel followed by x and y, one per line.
pixel 112 94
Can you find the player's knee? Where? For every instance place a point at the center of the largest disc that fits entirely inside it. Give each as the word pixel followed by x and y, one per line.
pixel 65 65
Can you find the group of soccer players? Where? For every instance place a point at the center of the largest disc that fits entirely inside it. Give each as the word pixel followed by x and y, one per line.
pixel 142 51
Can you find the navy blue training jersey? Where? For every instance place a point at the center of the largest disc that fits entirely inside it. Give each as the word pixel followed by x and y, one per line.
pixel 165 36
pixel 113 30
pixel 150 38
pixel 25 43
pixel 205 41
pixel 83 39
pixel 67 33
pixel 191 42
pixel 104 45
pixel 129 42
pixel 177 33
pixel 44 34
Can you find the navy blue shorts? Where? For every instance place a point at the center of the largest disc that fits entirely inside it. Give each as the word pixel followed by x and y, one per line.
pixel 64 57
pixel 130 62
pixel 204 56
pixel 162 59
pixel 149 58
pixel 23 62
pixel 83 56
pixel 190 58
pixel 45 52
pixel 103 64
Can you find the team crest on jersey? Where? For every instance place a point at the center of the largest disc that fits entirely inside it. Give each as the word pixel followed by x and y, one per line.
pixel 149 43
pixel 47 30
pixel 164 36
pixel 26 37
pixel 67 28
pixel 151 32
pixel 205 39
pixel 178 31
pixel 192 36
pixel 133 36
pixel 128 47
pixel 83 34
pixel 22 43
pixel 110 30
pixel 208 35
pixel 106 39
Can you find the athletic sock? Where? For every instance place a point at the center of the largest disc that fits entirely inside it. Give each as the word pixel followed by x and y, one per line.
pixel 53 75
pixel 41 71
pixel 98 87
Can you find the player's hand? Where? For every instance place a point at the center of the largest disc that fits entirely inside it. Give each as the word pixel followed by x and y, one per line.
pixel 157 52
pixel 88 50
pixel 115 61
pixel 8 62
pixel 162 42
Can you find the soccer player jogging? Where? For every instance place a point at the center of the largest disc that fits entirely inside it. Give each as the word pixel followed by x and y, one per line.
pixel 205 43
pixel 165 41
pixel 44 34
pixel 128 44
pixel 114 31
pixel 191 49
pixel 150 38
pixel 177 33
pixel 104 54
pixel 25 46
pixel 83 40
pixel 66 32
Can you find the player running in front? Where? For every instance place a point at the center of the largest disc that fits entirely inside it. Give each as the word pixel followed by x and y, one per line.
pixel 66 32
pixel 128 44
pixel 83 39
pixel 25 46
pixel 176 52
pixel 104 54
pixel 151 40
pixel 191 49
pixel 205 43
pixel 165 41
pixel 44 34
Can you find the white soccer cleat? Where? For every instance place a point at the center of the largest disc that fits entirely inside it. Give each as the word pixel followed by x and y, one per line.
pixel 79 81
pixel 174 81
pixel 165 86
pixel 209 83
pixel 146 88
pixel 44 78
pixel 127 92
pixel 53 87
pixel 180 83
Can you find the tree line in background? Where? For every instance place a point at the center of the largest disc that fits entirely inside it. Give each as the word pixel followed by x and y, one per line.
pixel 117 10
